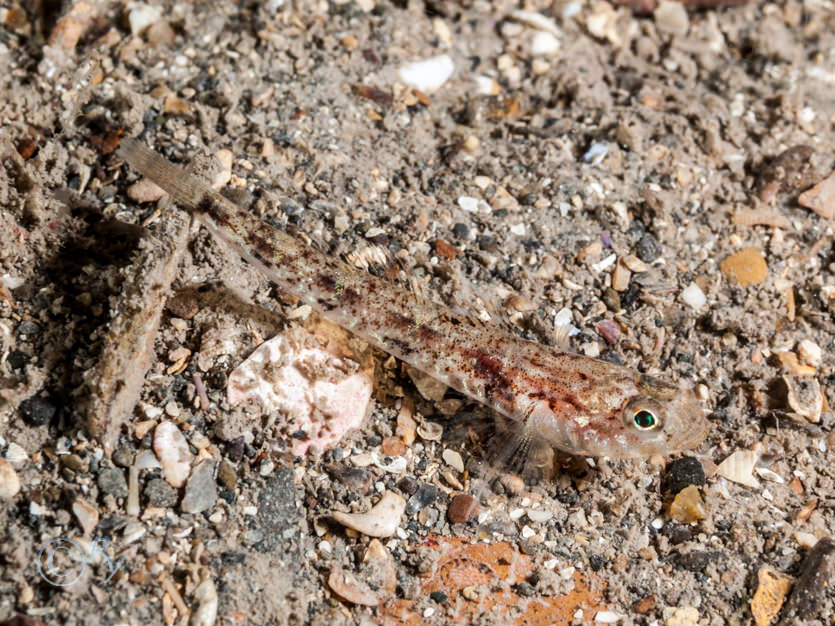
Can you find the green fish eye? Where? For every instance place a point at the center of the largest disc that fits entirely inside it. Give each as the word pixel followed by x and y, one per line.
pixel 645 420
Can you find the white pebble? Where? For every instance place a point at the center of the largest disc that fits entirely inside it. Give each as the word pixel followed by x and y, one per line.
pixel 515 514
pixel 810 352
pixel 544 44
pixel 172 451
pixel 805 540
pixel 527 532
pixel 671 17
pixel 607 617
pixel 453 459
pixel 693 296
pixel 141 16
pixel 468 203
pixel 428 75
pixel 539 515
pixel 16 455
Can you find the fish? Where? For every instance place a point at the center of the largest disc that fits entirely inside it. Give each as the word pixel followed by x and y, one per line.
pixel 573 403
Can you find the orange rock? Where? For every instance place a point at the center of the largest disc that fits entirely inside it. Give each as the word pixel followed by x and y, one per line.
pixel 746 267
pixel 688 506
pixel 393 446
pixel 770 595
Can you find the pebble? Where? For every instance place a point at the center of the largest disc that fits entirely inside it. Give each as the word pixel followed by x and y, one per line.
pixel 73 462
pixel 428 75
pixel 810 352
pixel 159 493
pixel 380 521
pixel 462 508
pixel 9 482
pixel 772 589
pixel 688 506
pixel 648 249
pixel 201 491
pixel 746 267
pixel 172 451
pixel 453 459
pixel 682 473
pixel 681 616
pixel 821 198
pixel 145 190
pixel 393 446
pixel 423 497
pixel 206 597
pixel 141 16
pixel 804 397
pixel 539 515
pixel 607 617
pixel 111 481
pixel 544 44
pixel 671 17
pixel 16 455
pixel 226 475
pixel 814 584
pixel 123 457
pixel 87 514
pixel 37 411
pixel 609 330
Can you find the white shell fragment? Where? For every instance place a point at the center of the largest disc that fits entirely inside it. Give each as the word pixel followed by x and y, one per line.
pixel 428 75
pixel 544 44
pixel 206 597
pixel 380 521
pixel 430 431
pixel 172 451
pixel 315 391
pixel 810 352
pixel 739 468
pixel 536 20
pixel 693 296
pixel 453 459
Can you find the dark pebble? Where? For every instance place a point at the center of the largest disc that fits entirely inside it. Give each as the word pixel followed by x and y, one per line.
pixel 408 485
pixel 697 560
pixel 676 533
pixel 37 411
pixel 233 558
pixel 648 248
pixel 597 562
pixel 22 620
pixel 682 473
pixel 438 596
pixel 354 478
pixel 28 329
pixel 226 475
pixel 423 497
pixel 461 231
pixel 112 481
pixel 815 583
pixel 17 359
pixel 462 508
pixel 524 588
pixel 123 457
pixel 160 493
pixel 227 496
pixel 73 462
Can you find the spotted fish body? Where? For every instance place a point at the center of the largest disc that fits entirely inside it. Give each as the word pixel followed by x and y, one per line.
pixel 577 404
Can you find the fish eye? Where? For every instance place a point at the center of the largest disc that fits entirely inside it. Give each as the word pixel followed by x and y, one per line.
pixel 645 420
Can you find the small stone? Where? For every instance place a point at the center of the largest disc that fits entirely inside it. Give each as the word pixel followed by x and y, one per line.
pixel 461 231
pixel 9 482
pixel 746 267
pixel 141 16
pixel 159 493
pixel 354 478
pixel 544 44
pixel 145 190
pixel 821 198
pixel 814 583
pixel 688 506
pixel 428 75
pixel 37 411
pixel 792 364
pixel 73 462
pixel 201 492
pixel 671 17
pixel 810 352
pixel 693 296
pixel 16 455
pixel 609 330
pixel 445 250
pixel 423 497
pixel 772 589
pixel 462 508
pixel 172 451
pixel 681 616
pixel 393 446
pixel 380 521
pixel 620 278
pixel 112 481
pixel 453 459
pixel 87 514
pixel 648 248
pixel 123 457
pixel 682 473
pixel 226 475
pixel 804 397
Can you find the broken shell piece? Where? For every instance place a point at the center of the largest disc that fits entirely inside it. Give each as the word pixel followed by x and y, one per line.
pixel 381 521
pixel 173 453
pixel 378 578
pixel 317 392
pixel 430 431
pixel 739 468
pixel 428 75
pixel 804 397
